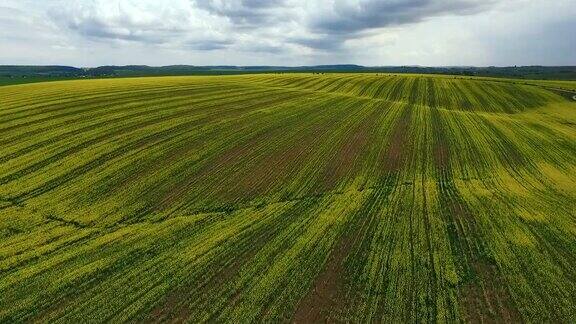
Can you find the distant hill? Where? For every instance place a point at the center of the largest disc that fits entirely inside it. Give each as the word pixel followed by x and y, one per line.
pixel 36 70
pixel 522 72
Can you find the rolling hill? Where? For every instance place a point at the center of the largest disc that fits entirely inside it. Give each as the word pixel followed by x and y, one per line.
pixel 288 197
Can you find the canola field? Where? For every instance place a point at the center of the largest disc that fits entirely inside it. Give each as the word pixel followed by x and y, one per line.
pixel 288 198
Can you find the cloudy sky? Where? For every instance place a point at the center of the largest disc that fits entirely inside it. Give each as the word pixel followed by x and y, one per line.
pixel 288 32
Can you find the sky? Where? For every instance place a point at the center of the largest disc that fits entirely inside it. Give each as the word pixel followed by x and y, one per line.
pixel 88 33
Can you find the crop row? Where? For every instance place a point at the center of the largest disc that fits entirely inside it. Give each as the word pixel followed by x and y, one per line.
pixel 287 197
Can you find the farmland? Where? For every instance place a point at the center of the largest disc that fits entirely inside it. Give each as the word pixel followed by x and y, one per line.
pixel 288 197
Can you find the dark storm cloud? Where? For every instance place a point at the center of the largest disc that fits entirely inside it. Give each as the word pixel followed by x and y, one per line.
pixel 245 13
pixel 344 20
pixel 326 25
pixel 352 17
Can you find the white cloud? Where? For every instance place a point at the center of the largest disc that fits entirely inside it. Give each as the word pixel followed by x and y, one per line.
pixel 176 22
pixel 285 32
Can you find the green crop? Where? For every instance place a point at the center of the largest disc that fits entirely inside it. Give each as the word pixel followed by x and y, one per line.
pixel 288 197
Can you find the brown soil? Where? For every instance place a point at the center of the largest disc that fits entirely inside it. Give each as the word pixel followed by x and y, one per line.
pixel 45 315
pixel 326 293
pixel 175 308
pixel 441 146
pixel 344 161
pixel 441 155
pixel 229 157
pixel 166 309
pixel 273 169
pixel 488 300
pixel 394 156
